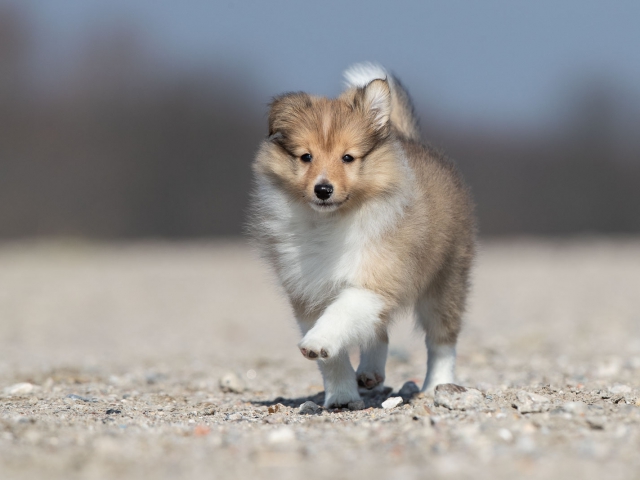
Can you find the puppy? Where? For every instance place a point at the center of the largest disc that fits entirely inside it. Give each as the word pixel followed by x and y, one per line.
pixel 361 222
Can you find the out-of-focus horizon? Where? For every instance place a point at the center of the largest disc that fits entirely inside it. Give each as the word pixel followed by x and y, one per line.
pixel 134 119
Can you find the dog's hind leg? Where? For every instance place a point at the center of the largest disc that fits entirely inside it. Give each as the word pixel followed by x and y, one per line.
pixel 440 313
pixel 373 358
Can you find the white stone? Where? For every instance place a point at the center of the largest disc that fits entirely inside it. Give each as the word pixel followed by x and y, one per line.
pixel 230 382
pixel 21 389
pixel 392 402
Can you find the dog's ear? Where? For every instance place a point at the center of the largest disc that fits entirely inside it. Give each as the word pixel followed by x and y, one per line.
pixel 375 100
pixel 286 111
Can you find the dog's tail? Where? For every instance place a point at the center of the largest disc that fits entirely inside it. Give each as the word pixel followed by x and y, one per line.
pixel 403 117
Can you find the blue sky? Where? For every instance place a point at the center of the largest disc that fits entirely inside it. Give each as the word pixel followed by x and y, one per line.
pixel 493 61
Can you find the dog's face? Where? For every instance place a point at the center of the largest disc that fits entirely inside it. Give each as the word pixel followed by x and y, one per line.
pixel 328 153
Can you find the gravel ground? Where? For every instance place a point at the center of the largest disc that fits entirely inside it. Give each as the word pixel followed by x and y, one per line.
pixel 159 360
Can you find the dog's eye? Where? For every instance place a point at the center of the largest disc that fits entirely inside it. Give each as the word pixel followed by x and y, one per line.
pixel 347 159
pixel 306 157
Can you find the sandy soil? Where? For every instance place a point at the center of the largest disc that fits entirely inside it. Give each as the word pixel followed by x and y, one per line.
pixel 111 358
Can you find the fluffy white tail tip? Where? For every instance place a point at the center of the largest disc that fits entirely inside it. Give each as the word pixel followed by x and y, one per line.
pixel 361 74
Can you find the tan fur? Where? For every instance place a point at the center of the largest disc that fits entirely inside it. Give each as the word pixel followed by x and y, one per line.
pixel 329 129
pixel 437 232
pixel 422 258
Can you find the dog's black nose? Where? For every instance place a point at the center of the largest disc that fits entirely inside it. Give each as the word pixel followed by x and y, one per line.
pixel 323 191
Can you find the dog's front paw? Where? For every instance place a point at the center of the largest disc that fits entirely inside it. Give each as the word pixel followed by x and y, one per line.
pixel 313 354
pixel 341 398
pixel 314 347
pixel 370 380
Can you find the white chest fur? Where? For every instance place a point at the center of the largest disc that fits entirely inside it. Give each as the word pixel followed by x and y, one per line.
pixel 319 254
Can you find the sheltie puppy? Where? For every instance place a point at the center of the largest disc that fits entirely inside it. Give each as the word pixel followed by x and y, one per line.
pixel 362 222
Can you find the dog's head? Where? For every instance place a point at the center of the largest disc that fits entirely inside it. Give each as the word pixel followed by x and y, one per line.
pixel 330 153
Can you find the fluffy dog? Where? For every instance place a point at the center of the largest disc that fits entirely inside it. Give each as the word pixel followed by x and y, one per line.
pixel 362 222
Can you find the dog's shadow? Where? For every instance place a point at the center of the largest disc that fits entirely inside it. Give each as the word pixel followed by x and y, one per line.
pixel 371 399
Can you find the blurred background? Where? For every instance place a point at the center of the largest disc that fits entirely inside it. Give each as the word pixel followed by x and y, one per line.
pixel 127 119
pixel 128 124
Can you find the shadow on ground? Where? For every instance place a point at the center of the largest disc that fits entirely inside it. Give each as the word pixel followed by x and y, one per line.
pixel 371 399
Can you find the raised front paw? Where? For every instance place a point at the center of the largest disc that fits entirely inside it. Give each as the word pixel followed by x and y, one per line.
pixel 314 348
pixel 370 380
pixel 313 354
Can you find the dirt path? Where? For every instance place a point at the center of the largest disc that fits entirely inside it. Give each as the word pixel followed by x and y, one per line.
pixel 111 358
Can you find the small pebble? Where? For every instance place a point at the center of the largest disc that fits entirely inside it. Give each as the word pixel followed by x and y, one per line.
pixel 275 408
pixel 20 388
pixel 309 408
pixel 531 402
pixel 455 397
pixel 80 398
pixel 408 390
pixel 230 382
pixel 391 402
pixel 357 405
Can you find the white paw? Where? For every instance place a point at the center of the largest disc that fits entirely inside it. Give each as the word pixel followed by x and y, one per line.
pixel 340 398
pixel 315 347
pixel 370 380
